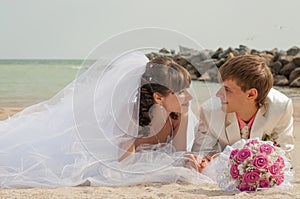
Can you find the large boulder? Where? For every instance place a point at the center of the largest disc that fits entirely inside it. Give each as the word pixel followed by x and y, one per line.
pixel 281 80
pixel 293 51
pixel 287 69
pixel 275 67
pixel 294 74
pixel 285 59
pixel 295 83
pixel 210 75
pixel 279 54
pixel 296 60
pixel 204 66
pixel 194 56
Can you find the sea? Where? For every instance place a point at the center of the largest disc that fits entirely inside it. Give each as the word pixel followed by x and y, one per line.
pixel 30 81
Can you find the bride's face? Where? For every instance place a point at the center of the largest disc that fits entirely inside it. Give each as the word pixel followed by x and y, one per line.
pixel 177 102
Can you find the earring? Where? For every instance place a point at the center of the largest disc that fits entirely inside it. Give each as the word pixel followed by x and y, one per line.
pixel 158 116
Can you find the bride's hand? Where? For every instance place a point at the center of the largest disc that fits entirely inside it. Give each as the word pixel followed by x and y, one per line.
pixel 194 161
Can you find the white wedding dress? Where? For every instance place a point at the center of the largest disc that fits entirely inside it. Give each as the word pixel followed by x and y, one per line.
pixel 74 137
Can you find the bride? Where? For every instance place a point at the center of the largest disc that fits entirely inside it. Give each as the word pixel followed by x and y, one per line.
pixel 120 122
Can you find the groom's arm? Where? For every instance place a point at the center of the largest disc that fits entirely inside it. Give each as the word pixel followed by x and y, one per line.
pixel 283 132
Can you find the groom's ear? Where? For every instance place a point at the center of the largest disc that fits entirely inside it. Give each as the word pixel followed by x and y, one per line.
pixel 252 93
pixel 158 98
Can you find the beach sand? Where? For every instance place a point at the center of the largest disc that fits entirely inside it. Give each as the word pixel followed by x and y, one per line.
pixel 160 190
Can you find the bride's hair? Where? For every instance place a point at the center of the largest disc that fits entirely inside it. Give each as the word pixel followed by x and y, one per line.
pixel 162 75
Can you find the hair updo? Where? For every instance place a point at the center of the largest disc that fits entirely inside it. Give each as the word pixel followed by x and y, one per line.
pixel 164 76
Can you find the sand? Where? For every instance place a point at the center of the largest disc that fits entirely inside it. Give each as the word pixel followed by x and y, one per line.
pixel 160 190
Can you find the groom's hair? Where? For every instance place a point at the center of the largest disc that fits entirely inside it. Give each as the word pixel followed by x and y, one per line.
pixel 249 71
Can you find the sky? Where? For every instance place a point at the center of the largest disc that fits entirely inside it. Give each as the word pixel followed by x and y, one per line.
pixel 71 29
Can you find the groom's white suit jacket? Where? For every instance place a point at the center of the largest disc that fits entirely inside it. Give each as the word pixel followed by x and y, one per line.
pixel 217 129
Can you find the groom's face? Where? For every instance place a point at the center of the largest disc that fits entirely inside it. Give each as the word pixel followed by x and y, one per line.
pixel 233 99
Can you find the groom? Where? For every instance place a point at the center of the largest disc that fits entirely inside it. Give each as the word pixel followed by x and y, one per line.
pixel 247 107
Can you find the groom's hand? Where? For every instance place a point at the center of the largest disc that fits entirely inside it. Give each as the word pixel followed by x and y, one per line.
pixel 194 161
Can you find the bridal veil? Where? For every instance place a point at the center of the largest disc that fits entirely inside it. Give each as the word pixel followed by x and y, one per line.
pixel 75 136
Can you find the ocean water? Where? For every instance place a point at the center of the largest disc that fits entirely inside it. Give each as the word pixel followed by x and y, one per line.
pixel 26 82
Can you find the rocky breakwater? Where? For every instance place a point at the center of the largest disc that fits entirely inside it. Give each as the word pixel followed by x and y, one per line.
pixel 203 64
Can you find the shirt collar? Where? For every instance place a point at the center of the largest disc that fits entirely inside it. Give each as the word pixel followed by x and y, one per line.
pixel 242 123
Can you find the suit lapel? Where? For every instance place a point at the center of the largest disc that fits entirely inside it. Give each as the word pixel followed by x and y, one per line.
pixel 257 129
pixel 232 128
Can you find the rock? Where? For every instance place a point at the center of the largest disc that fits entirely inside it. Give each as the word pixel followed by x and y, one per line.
pixel 293 51
pixel 192 70
pixel 151 55
pixel 235 52
pixel 196 59
pixel 225 53
pixel 275 67
pixel 294 74
pixel 187 65
pixel 216 54
pixel 164 51
pixel 287 69
pixel 281 80
pixel 220 62
pixel 296 82
pixel 268 52
pixel 274 51
pixel 180 60
pixel 184 51
pixel 268 57
pixel 204 66
pixel 194 56
pixel 210 75
pixel 296 59
pixel 243 50
pixel 254 52
pixel 285 59
pixel 210 53
pixel 279 54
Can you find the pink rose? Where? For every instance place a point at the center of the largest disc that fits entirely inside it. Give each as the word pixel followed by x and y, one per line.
pixel 233 153
pixel 244 154
pixel 245 187
pixel 266 148
pixel 260 161
pixel 264 183
pixel 280 162
pixel 274 169
pixel 279 178
pixel 234 172
pixel 252 176
pixel 252 142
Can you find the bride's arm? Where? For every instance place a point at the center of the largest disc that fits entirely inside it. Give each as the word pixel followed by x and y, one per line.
pixel 128 147
pixel 126 151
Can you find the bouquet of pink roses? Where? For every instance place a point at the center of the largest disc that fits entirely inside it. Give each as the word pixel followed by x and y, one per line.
pixel 253 164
